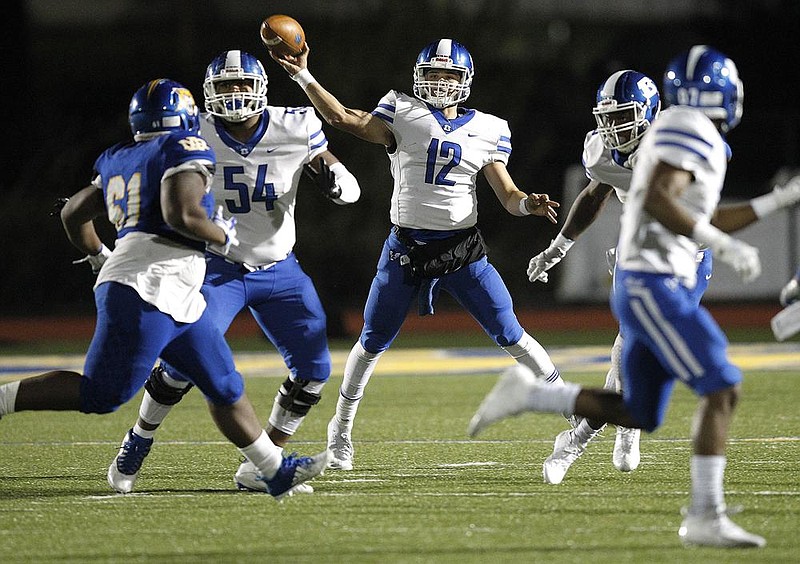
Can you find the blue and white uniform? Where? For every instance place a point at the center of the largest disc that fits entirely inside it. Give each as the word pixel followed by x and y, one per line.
pixel 147 293
pixel 434 165
pixel 614 168
pixel 256 182
pixel 668 335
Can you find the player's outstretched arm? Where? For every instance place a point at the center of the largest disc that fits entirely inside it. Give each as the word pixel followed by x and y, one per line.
pixel 584 211
pixel 356 122
pixel 515 201
pixel 730 218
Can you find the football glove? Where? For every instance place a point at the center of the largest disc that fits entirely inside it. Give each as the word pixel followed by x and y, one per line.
pixel 229 227
pixel 547 259
pixel 323 178
pixel 782 196
pixel 740 256
pixel 97 260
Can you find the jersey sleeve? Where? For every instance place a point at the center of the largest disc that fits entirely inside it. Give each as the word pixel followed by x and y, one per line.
pixel 684 141
pixel 502 151
pixel 386 108
pixel 317 141
pixel 592 152
pixel 188 151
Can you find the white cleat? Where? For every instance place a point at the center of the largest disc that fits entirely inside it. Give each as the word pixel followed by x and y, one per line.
pixel 626 456
pixel 506 399
pixel 248 479
pixel 566 450
pixel 341 446
pixel 716 529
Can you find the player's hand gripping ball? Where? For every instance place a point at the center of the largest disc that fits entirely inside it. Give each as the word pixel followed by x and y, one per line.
pixel 283 35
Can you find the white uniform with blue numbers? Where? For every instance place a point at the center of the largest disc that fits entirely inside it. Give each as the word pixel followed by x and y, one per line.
pixel 685 138
pixel 435 164
pixel 256 182
pixel 437 160
pixel 669 336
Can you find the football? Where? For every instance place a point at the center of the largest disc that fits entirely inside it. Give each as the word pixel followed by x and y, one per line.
pixel 283 35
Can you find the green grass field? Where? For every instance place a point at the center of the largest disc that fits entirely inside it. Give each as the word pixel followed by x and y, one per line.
pixel 421 490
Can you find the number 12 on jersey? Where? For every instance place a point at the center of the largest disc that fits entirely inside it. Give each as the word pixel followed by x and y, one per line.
pixel 445 149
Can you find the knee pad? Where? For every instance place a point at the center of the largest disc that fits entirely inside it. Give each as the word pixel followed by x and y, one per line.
pixel 162 392
pixel 294 398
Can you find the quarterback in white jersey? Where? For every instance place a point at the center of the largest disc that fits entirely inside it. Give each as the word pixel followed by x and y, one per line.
pixel 262 151
pixel 429 192
pixel 669 336
pixel 436 149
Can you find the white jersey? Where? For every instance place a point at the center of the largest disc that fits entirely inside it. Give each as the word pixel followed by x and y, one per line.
pixel 256 182
pixel 436 161
pixel 599 163
pixel 686 139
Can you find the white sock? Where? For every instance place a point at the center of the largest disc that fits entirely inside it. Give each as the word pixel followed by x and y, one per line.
pixel 707 473
pixel 585 433
pixel 264 454
pixel 357 371
pixel 554 399
pixel 8 397
pixel 528 352
pixel 614 376
pixel 151 412
pixel 144 433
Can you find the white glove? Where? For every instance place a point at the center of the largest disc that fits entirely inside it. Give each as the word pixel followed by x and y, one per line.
pixel 229 227
pixel 782 196
pixel 96 261
pixel 740 256
pixel 547 259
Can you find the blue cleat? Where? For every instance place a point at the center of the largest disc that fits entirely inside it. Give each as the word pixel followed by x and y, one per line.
pixel 125 467
pixel 293 471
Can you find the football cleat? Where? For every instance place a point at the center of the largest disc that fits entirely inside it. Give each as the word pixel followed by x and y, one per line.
pixel 248 478
pixel 340 445
pixel 125 467
pixel 506 399
pixel 626 455
pixel 566 450
pixel 292 472
pixel 714 528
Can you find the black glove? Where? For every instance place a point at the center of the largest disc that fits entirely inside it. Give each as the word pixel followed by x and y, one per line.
pixel 58 205
pixel 323 179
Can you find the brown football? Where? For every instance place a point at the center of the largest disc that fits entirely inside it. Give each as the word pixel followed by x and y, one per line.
pixel 283 35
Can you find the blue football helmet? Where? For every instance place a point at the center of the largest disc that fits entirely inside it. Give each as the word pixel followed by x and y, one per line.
pixel 444 54
pixel 705 78
pixel 162 105
pixel 235 105
pixel 627 104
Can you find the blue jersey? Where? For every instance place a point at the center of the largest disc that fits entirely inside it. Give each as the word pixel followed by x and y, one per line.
pixel 131 175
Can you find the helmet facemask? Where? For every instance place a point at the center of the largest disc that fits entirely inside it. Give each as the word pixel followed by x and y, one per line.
pixel 228 103
pixel 441 93
pixel 621 126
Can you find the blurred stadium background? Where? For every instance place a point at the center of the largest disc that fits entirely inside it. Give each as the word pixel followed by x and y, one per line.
pixel 72 66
